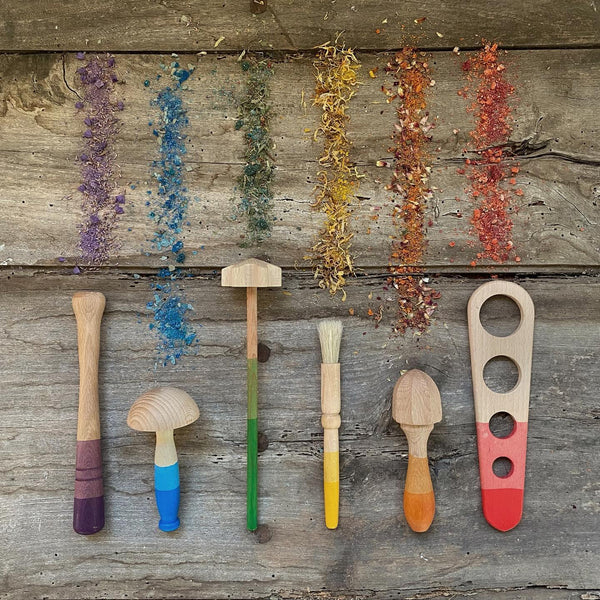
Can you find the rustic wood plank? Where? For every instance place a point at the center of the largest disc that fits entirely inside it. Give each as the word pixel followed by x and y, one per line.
pixel 130 25
pixel 556 129
pixel 373 554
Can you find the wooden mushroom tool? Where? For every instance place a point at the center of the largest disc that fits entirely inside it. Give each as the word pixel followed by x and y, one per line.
pixel 162 410
pixel 88 506
pixel 417 405
pixel 252 274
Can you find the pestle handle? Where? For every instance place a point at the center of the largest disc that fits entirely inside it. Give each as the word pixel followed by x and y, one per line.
pixel 88 508
pixel 419 498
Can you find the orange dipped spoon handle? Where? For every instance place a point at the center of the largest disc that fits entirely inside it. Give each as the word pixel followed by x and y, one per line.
pixel 419 499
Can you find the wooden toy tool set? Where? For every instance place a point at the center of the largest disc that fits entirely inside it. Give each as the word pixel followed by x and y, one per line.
pixel 416 406
pixel 415 188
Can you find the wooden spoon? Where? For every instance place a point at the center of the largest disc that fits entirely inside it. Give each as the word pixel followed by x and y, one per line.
pixel 416 406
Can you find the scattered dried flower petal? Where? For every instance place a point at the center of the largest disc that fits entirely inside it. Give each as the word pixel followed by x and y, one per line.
pixel 96 233
pixel 336 80
pixel 176 334
pixel 488 173
pixel 255 113
pixel 416 301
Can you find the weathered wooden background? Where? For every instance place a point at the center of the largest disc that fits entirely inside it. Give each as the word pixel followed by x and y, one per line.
pixel 554 58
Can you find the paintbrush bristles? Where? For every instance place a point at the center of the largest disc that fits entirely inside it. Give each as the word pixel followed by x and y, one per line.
pixel 330 334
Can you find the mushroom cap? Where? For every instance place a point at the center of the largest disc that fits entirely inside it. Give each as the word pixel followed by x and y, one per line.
pixel 162 409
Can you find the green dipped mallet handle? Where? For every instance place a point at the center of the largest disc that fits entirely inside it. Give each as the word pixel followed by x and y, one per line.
pixel 252 430
pixel 251 274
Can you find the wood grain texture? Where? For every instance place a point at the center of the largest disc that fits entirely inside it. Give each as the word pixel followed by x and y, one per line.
pixel 556 545
pixel 165 453
pixel 162 409
pixel 416 399
pixel 88 308
pixel 517 347
pixel 131 25
pixel 555 139
pixel 251 273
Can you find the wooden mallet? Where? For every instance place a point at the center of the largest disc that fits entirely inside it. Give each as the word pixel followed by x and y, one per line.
pixel 252 274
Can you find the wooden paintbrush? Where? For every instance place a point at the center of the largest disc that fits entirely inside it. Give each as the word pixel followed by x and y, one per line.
pixel 330 334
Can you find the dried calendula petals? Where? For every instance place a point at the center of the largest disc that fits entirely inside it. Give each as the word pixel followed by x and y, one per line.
pixel 336 80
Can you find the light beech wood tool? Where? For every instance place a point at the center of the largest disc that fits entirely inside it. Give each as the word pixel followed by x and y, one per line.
pixel 252 274
pixel 88 507
pixel 501 497
pixel 417 405
pixel 330 336
pixel 162 410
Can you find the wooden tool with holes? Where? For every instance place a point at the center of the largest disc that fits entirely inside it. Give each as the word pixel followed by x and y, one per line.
pixel 252 274
pixel 417 405
pixel 501 497
pixel 88 509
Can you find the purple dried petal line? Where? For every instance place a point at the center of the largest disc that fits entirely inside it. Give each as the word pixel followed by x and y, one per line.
pixel 98 181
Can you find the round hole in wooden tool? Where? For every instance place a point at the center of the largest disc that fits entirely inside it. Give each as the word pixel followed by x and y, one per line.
pixel 502 467
pixel 501 374
pixel 500 315
pixel 502 425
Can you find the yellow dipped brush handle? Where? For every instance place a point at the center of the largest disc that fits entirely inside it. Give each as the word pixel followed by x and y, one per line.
pixel 331 421
pixel 331 484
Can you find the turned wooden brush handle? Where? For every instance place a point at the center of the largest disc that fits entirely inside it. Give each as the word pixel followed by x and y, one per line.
pixel 331 421
pixel 419 499
pixel 88 510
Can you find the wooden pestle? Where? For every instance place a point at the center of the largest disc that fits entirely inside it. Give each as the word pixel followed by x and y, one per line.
pixel 417 405
pixel 88 509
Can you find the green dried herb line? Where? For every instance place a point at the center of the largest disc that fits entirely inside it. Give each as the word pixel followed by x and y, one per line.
pixel 255 182
pixel 336 82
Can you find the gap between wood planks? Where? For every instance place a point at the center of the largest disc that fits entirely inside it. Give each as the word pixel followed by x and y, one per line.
pixel 376 272
pixel 281 53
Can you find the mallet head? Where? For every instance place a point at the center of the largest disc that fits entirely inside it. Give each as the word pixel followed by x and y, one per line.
pixel 251 273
